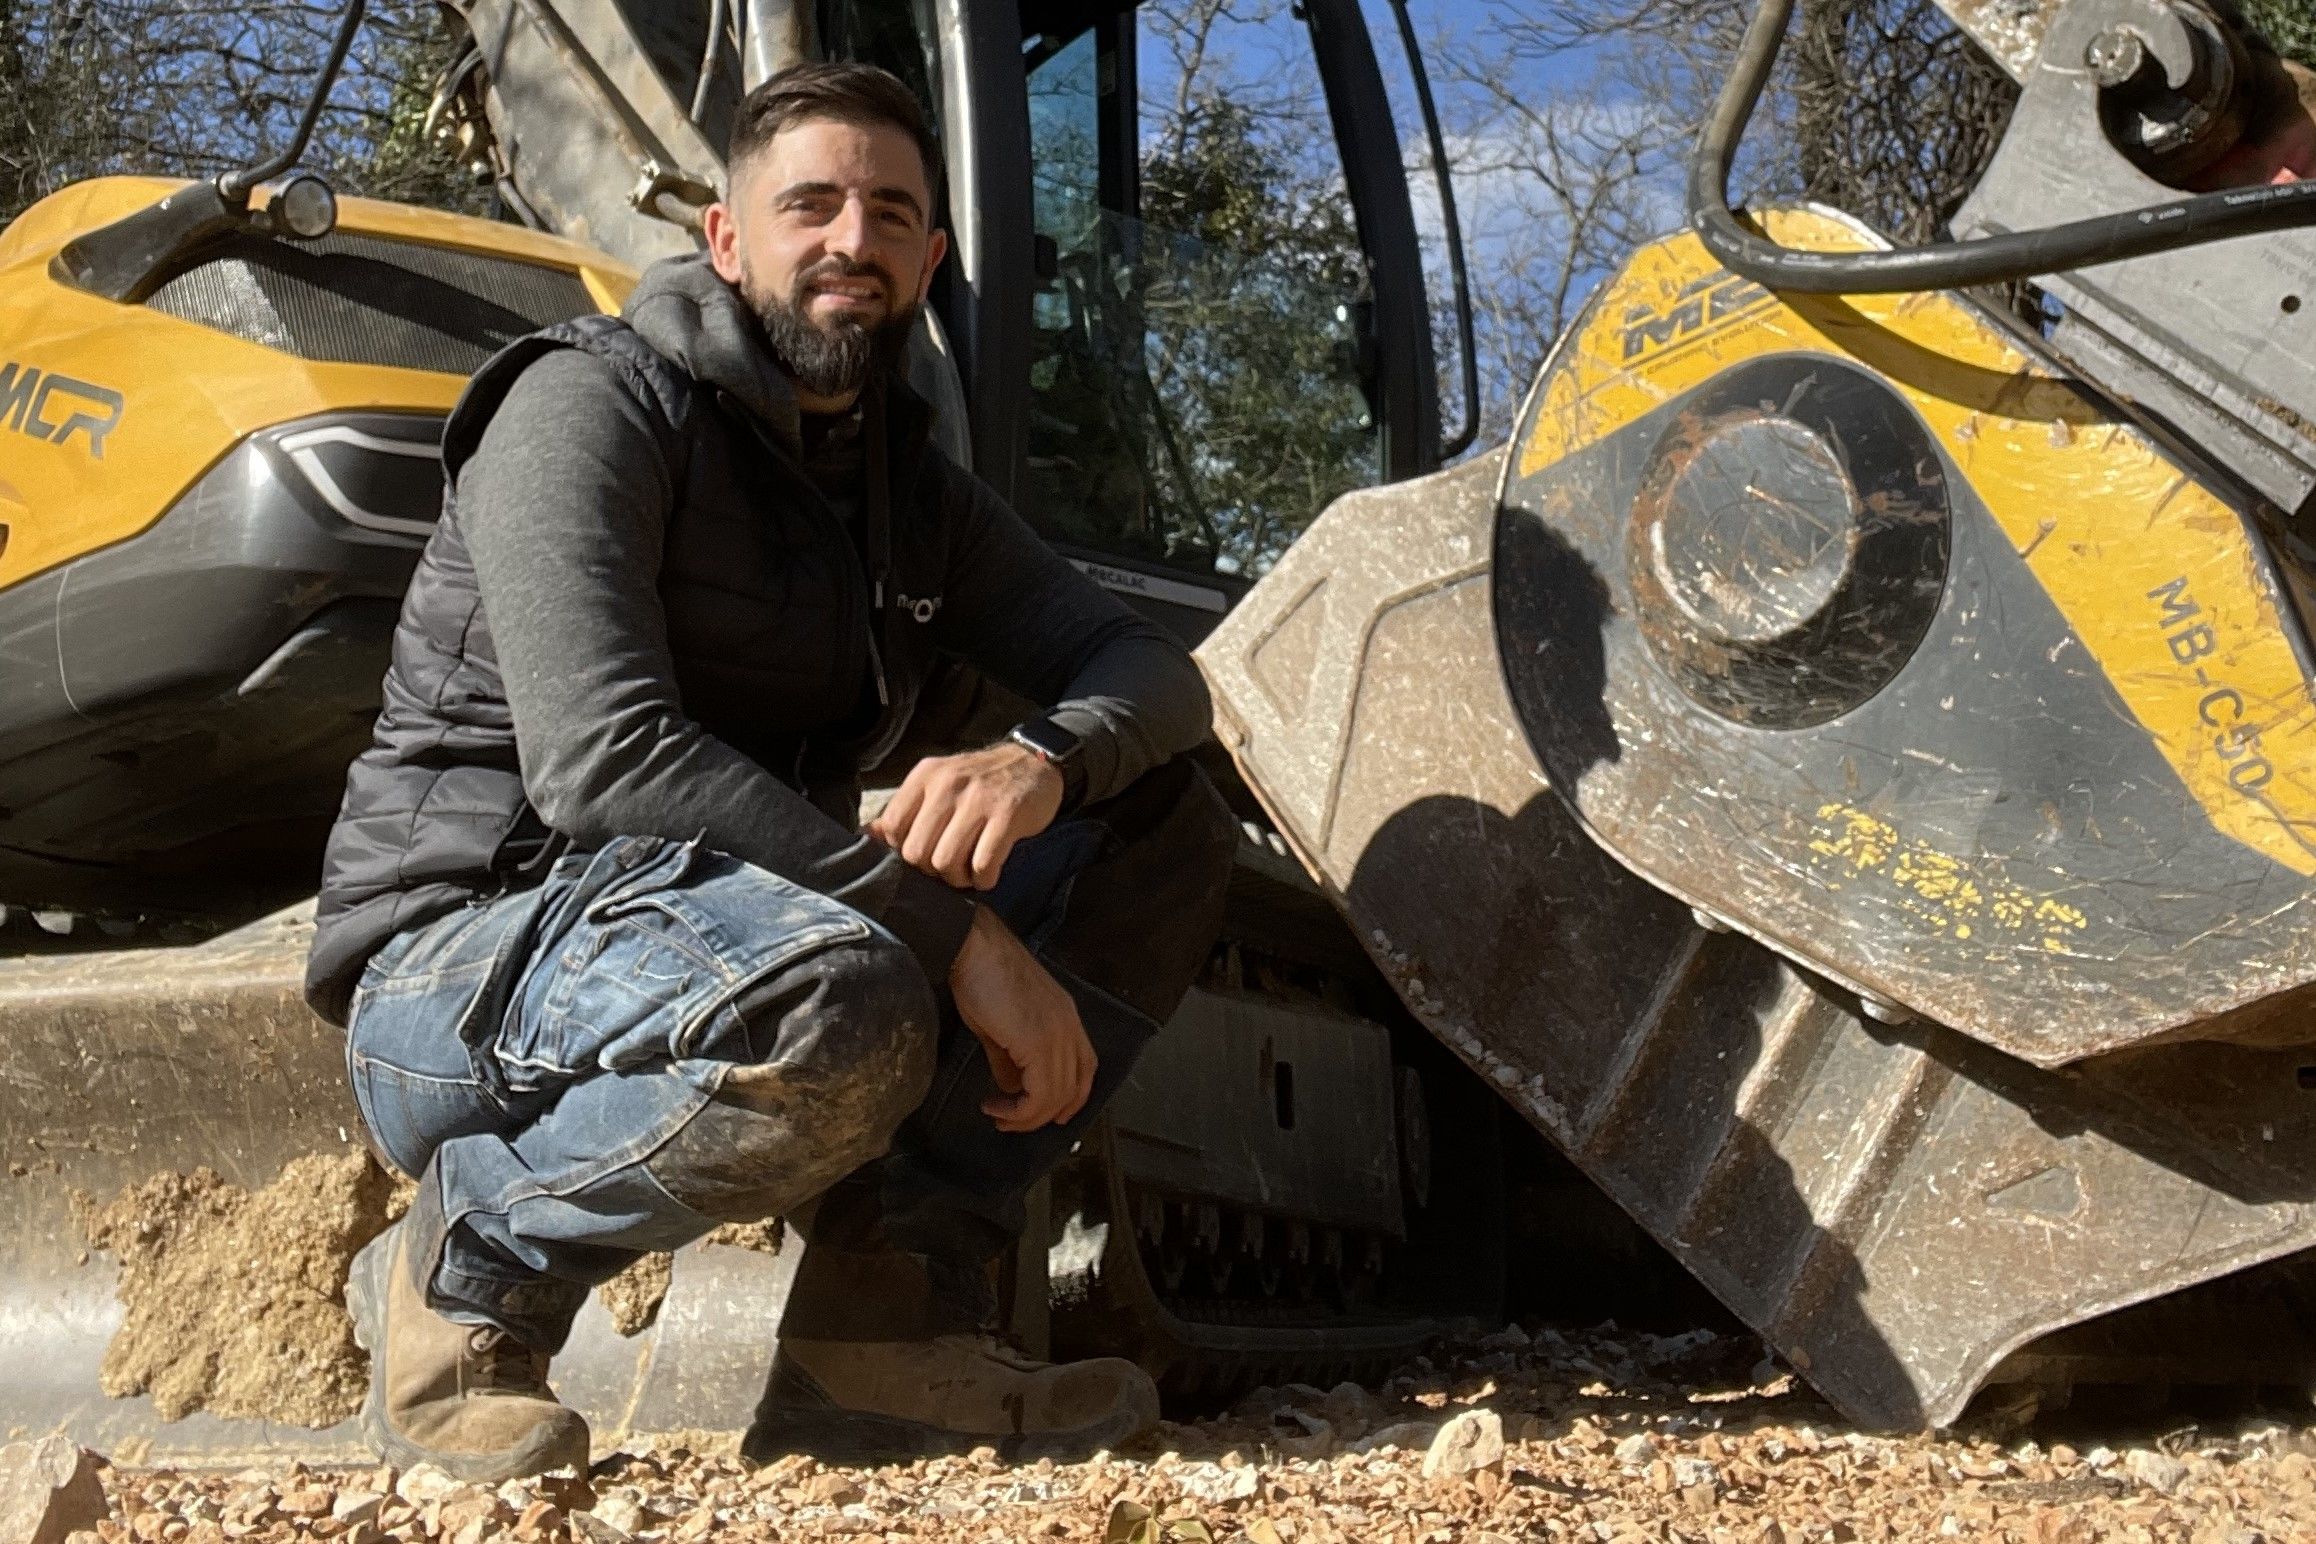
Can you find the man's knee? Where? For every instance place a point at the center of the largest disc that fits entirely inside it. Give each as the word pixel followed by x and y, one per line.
pixel 1143 920
pixel 1177 835
pixel 844 1047
pixel 873 1030
pixel 1203 834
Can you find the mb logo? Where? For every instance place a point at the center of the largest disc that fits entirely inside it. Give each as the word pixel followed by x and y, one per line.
pixel 1701 301
pixel 55 407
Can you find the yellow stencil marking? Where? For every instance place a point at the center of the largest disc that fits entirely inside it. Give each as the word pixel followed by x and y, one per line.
pixel 2166 586
pixel 1941 889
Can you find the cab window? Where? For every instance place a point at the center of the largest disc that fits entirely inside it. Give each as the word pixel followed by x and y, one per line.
pixel 1196 375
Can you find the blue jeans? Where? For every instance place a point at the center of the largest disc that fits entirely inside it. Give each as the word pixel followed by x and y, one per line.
pixel 660 1038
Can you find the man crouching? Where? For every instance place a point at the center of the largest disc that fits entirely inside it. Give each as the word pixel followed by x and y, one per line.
pixel 615 961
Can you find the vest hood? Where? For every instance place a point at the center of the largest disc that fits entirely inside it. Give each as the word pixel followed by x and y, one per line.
pixel 692 317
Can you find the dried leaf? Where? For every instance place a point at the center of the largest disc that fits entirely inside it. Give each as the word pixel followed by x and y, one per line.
pixel 1188 1530
pixel 1130 1524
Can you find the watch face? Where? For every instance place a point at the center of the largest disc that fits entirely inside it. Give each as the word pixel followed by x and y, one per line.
pixel 1048 739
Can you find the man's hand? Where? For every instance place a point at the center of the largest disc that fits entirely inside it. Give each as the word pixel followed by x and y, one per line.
pixel 1027 1025
pixel 957 817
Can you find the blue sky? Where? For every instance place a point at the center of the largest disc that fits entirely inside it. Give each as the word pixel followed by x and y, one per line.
pixel 1514 230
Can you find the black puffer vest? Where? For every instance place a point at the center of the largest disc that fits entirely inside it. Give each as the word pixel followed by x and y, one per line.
pixel 759 577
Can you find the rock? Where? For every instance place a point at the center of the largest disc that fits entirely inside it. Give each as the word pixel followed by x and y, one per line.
pixel 1510 1338
pixel 834 1488
pixel 1473 1440
pixel 1257 1403
pixel 312 1501
pixel 1300 1434
pixel 1402 1434
pixel 467 1505
pixel 1526 1428
pixel 1586 1434
pixel 595 1529
pixel 1656 1350
pixel 621 1510
pixel 1636 1451
pixel 425 1484
pixel 540 1517
pixel 2056 1527
pixel 48 1489
pixel 1698 1482
pixel 2156 1471
pixel 356 1506
pixel 1350 1409
pixel 1212 1482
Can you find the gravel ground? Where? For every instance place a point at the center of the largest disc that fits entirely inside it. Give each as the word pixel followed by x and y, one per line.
pixel 1592 1436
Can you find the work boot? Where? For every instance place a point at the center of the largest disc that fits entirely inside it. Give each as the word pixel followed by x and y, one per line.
pixel 471 1400
pixel 875 1402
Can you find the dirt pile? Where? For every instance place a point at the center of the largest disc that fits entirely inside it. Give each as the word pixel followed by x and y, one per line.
pixel 234 1301
pixel 632 1297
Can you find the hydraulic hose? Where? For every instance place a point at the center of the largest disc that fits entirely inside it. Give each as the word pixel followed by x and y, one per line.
pixel 2186 222
pixel 708 59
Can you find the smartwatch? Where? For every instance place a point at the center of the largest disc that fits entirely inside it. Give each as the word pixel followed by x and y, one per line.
pixel 1059 749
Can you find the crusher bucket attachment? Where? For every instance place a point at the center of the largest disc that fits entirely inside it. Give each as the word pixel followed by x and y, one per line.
pixel 1854 793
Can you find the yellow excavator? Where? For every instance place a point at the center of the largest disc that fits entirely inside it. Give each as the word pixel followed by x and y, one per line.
pixel 1838 774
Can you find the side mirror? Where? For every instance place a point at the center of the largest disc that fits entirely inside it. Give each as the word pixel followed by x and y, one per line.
pixel 137 254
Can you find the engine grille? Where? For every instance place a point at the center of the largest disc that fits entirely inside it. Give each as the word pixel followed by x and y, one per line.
pixel 355 299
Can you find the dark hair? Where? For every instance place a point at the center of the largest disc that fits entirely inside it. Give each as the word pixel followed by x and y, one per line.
pixel 850 93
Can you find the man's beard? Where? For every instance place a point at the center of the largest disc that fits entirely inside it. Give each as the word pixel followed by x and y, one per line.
pixel 833 358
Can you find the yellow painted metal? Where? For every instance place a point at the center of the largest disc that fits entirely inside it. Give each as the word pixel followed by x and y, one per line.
pixel 2171 590
pixel 189 393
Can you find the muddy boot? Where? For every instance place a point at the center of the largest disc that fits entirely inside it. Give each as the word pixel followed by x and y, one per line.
pixel 889 1401
pixel 472 1401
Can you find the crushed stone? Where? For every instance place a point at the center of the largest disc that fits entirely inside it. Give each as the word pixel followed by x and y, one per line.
pixel 1731 1460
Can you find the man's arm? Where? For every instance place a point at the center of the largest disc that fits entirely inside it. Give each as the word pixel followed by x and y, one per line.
pixel 1026 616
pixel 564 509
